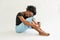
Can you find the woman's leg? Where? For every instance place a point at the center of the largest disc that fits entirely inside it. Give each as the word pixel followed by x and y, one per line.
pixel 37 28
pixel 38 23
pixel 41 32
pixel 22 27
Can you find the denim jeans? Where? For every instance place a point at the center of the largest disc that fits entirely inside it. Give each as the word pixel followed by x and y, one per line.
pixel 22 27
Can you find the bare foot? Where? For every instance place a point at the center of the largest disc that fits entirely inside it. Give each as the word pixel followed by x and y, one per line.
pixel 44 34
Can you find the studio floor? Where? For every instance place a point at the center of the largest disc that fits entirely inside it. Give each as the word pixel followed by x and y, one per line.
pixel 29 34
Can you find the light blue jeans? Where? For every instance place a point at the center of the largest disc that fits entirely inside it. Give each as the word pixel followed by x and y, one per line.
pixel 22 27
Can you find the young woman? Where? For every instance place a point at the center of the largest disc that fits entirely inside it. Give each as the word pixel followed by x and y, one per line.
pixel 24 20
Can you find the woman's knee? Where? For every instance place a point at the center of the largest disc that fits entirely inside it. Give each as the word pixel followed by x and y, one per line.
pixel 29 19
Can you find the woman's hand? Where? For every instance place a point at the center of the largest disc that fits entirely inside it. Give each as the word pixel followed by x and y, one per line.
pixel 34 25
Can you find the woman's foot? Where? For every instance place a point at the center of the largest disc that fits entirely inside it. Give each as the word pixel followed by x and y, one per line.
pixel 44 34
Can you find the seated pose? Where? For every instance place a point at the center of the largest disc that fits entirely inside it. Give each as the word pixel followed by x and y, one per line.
pixel 25 20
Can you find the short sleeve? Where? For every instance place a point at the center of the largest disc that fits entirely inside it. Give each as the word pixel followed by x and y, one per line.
pixel 19 14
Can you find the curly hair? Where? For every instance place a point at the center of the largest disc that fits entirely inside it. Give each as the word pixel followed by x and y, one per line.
pixel 32 9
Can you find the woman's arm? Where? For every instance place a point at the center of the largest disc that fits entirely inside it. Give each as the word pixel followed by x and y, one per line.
pixel 37 23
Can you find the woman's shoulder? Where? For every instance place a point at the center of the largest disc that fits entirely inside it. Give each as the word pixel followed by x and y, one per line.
pixel 19 14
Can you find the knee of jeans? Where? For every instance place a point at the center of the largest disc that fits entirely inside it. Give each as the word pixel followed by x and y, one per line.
pixel 29 19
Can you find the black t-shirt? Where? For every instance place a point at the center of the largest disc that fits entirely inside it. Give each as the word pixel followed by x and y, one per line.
pixel 18 20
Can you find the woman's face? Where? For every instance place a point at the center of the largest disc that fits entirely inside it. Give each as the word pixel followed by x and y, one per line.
pixel 29 14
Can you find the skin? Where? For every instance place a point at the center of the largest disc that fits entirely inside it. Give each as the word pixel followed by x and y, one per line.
pixel 34 25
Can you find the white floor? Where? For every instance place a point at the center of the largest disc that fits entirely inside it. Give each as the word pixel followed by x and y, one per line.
pixel 29 34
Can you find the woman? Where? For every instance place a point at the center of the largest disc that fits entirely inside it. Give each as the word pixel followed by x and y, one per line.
pixel 24 20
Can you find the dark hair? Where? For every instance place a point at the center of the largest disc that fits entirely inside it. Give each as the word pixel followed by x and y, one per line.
pixel 32 9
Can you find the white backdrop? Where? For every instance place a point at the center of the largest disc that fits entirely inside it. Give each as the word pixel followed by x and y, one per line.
pixel 48 13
